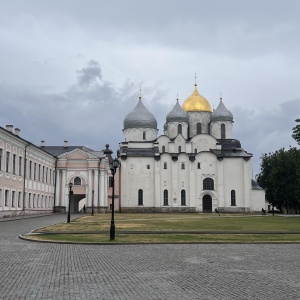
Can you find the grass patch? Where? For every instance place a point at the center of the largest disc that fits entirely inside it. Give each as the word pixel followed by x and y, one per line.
pixel 180 224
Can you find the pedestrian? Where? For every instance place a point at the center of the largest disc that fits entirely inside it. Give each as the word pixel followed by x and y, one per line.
pixel 217 212
pixel 84 209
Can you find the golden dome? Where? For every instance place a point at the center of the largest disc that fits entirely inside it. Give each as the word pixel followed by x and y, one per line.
pixel 196 102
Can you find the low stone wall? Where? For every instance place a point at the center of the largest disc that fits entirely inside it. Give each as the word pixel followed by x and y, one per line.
pixel 16 213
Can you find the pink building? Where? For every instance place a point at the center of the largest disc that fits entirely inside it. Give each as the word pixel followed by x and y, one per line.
pixel 36 179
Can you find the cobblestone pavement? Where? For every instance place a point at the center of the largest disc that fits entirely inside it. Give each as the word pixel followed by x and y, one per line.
pixel 32 270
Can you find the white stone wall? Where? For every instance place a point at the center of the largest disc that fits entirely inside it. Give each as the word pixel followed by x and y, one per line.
pixel 215 129
pixel 173 129
pixel 139 134
pixel 198 117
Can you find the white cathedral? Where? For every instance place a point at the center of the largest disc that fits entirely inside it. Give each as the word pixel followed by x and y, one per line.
pixel 195 166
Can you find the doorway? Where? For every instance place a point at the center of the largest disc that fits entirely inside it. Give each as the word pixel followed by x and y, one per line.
pixel 207 204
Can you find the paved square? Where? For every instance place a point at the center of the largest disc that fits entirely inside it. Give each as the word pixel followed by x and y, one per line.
pixel 57 271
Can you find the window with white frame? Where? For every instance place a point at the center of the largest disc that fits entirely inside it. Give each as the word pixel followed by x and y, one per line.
pixel 19 199
pixel 6 197
pixel 7 161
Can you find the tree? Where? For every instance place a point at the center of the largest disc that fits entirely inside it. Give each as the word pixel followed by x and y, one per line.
pixel 296 132
pixel 280 177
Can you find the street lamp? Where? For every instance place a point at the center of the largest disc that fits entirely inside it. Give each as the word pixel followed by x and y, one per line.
pixel 113 165
pixel 70 194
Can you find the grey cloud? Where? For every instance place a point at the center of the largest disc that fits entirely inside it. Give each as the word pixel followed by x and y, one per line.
pixel 90 74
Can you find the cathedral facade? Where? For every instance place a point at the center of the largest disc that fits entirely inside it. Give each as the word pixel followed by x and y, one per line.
pixel 195 166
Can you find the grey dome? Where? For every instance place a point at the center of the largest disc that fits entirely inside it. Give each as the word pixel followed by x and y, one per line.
pixel 221 113
pixel 140 117
pixel 177 114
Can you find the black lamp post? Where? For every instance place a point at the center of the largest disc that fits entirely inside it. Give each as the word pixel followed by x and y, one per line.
pixel 70 194
pixel 113 165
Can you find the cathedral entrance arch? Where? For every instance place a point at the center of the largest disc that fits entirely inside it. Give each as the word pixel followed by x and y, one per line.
pixel 207 204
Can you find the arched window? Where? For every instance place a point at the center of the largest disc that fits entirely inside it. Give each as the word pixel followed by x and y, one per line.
pixel 77 181
pixel 223 131
pixel 140 197
pixel 208 184
pixel 163 149
pixel 144 135
pixel 183 198
pixel 166 199
pixel 233 200
pixel 195 150
pixel 165 166
pixel 199 128
pixel 179 128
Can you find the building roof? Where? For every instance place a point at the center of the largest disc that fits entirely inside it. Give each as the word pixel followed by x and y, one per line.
pixel 221 113
pixel 140 117
pixel 177 114
pixel 196 102
pixel 58 150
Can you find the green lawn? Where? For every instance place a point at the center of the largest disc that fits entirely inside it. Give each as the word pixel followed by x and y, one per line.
pixel 209 228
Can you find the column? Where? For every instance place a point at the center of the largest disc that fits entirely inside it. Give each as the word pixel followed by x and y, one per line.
pixel 57 191
pixel 96 187
pixel 90 189
pixel 103 200
pixel 64 200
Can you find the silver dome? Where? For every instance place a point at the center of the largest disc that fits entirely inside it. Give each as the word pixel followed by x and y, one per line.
pixel 140 117
pixel 177 114
pixel 221 113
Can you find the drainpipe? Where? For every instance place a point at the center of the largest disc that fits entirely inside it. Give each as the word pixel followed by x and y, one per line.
pixel 24 176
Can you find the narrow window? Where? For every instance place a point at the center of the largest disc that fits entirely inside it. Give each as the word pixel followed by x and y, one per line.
pixel 182 166
pixel 179 149
pixel 199 128
pixel 144 135
pixel 198 165
pixel 1 154
pixel 163 149
pixel 0 197
pixel 195 151
pixel 38 200
pixel 183 198
pixel 233 200
pixel 165 165
pixel 33 201
pixel 166 198
pixel 179 127
pixel 29 200
pixel 7 161
pixel 46 174
pixel 6 197
pixel 223 131
pixel 43 172
pixel 39 172
pixel 34 171
pixel 14 164
pixel 19 199
pixel 20 165
pixel 148 167
pixel 208 184
pixel 13 198
pixel 77 181
pixel 24 197
pixel 110 181
pixel 140 197
pixel 30 169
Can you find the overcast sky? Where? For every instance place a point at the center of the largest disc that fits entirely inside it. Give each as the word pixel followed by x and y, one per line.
pixel 72 70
